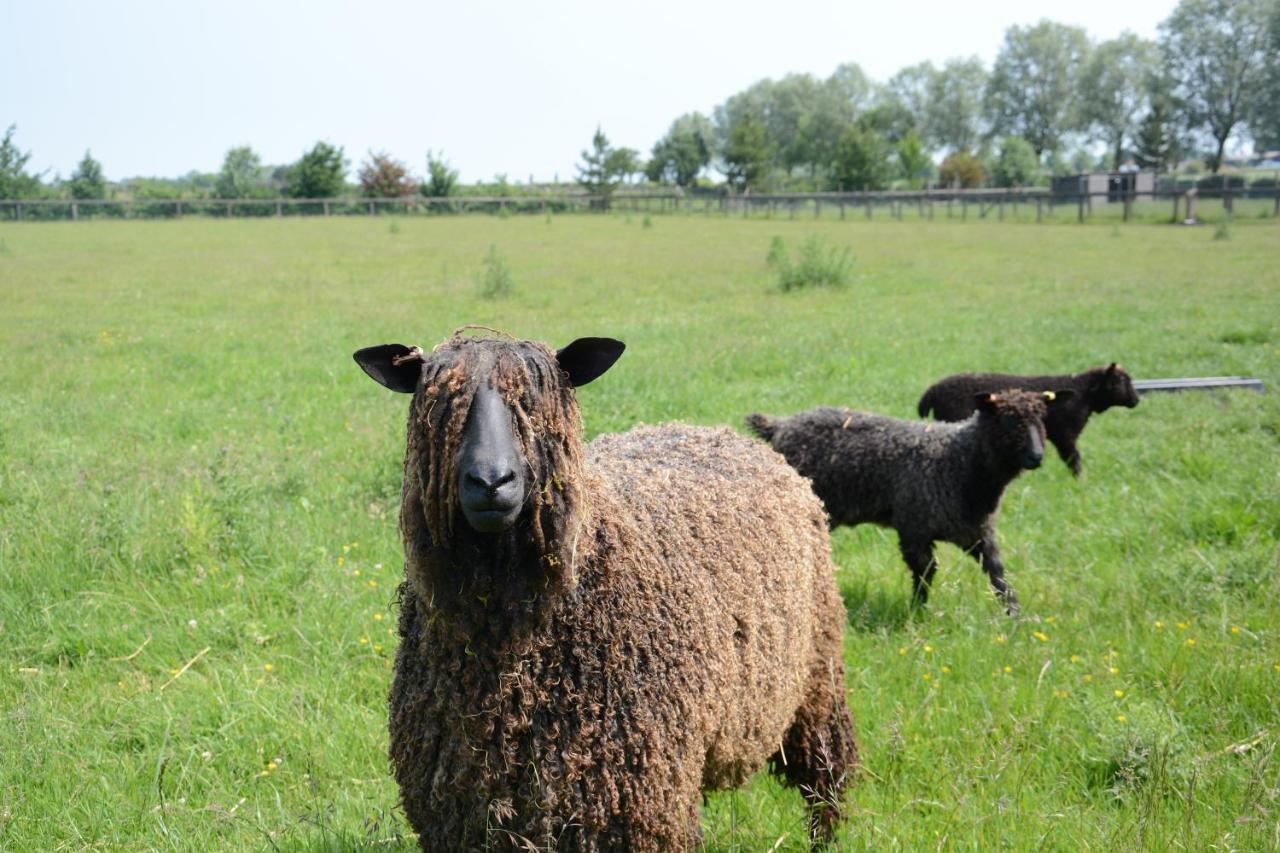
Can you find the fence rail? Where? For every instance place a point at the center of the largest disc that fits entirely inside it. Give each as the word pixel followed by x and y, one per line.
pixel 925 204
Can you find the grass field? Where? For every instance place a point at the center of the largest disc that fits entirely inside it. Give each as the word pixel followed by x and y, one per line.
pixel 198 494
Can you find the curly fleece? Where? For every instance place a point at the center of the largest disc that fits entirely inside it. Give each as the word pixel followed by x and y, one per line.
pixel 663 620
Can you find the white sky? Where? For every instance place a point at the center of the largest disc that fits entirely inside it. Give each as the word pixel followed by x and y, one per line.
pixel 159 88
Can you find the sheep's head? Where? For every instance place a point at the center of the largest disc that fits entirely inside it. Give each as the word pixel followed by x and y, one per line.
pixel 1112 386
pixel 1012 424
pixel 494 434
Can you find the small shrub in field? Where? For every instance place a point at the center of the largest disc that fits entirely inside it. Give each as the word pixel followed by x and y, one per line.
pixel 395 226
pixel 504 212
pixel 496 281
pixel 1222 232
pixel 816 266
pixel 1139 747
pixel 648 223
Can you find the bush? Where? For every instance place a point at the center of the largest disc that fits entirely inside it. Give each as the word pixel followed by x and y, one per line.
pixel 961 169
pixel 496 281
pixel 382 176
pixel 818 266
pixel 1017 165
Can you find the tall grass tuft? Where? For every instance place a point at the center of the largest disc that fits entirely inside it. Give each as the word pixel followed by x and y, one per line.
pixel 1223 231
pixel 817 266
pixel 495 279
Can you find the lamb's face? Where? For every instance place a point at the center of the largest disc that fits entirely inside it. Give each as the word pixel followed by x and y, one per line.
pixel 493 419
pixel 1013 424
pixel 1114 388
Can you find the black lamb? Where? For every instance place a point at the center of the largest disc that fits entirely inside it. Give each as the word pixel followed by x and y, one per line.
pixel 928 481
pixel 1096 390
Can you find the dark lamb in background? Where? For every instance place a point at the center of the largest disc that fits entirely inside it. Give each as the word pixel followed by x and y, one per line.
pixel 928 481
pixel 592 635
pixel 1096 390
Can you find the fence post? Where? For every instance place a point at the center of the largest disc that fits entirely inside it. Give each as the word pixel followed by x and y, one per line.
pixel 1000 209
pixel 1176 199
pixel 1080 208
pixel 1039 209
pixel 964 208
pixel 326 207
pixel 1128 206
pixel 228 210
pixel 279 209
pixel 371 208
pixel 867 198
pixel 17 208
pixel 75 212
pixel 842 208
pixel 177 208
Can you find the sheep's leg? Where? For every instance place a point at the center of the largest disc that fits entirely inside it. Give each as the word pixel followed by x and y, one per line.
pixel 987 553
pixel 818 756
pixel 919 557
pixel 1066 448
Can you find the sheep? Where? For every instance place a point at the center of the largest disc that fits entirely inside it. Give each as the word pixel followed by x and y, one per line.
pixel 591 635
pixel 930 482
pixel 1097 390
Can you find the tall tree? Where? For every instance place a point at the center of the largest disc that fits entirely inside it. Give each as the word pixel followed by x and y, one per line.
pixel 596 173
pixel 862 160
pixel 1033 91
pixel 1264 118
pixel 14 180
pixel 1156 143
pixel 748 153
pixel 320 173
pixel 909 91
pixel 87 181
pixel 441 179
pixel 383 176
pixel 1217 50
pixel 625 162
pixel 1114 89
pixel 913 159
pixel 241 175
pixel 953 117
pixel 684 152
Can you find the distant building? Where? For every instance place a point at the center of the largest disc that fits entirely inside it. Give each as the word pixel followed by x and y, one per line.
pixel 1106 187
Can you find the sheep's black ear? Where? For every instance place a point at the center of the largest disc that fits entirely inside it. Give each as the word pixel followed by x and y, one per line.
pixel 587 358
pixel 1055 397
pixel 394 366
pixel 984 401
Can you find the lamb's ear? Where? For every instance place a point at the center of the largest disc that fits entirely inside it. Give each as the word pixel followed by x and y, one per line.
pixel 587 358
pixel 394 366
pixel 1053 398
pixel 984 402
pixel 1114 368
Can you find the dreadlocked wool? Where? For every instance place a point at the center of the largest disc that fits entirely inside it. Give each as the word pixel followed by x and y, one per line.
pixel 662 619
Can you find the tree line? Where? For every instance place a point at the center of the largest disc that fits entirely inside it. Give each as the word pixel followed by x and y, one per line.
pixel 1050 95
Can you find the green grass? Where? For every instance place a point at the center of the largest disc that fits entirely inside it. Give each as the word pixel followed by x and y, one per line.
pixel 193 471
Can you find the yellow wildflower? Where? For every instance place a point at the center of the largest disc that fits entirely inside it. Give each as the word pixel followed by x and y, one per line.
pixel 1008 669
pixel 268 666
pixel 1115 670
pixel 928 648
pixel 377 617
pixel 1121 717
pixel 1191 641
pixel 1086 678
pixel 1000 638
pixel 1041 636
pixel 1159 624
pixel 1119 694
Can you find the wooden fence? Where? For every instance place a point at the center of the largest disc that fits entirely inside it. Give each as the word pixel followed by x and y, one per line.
pixel 924 204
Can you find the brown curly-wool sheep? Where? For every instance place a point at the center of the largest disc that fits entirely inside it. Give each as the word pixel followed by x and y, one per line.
pixel 661 617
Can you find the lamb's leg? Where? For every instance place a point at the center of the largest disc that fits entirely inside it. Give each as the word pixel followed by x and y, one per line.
pixel 987 553
pixel 819 756
pixel 919 557
pixel 1066 448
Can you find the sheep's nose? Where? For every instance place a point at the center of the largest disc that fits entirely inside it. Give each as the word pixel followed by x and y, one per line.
pixel 490 479
pixel 1032 461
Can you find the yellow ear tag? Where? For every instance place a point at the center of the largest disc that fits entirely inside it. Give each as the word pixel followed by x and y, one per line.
pixel 1049 395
